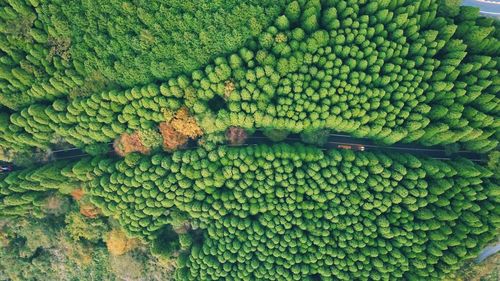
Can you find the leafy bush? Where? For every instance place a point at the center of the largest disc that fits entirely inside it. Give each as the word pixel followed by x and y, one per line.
pixel 81 227
pixel 166 243
pixel 118 243
pixel 35 66
pixel 36 249
pixel 393 71
pixel 150 138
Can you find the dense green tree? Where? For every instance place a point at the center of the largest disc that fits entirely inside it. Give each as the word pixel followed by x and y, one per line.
pixel 427 77
pixel 26 192
pixel 146 41
pixel 285 212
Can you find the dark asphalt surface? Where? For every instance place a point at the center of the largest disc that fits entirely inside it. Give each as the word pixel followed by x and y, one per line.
pixel 491 7
pixel 334 141
pixel 72 153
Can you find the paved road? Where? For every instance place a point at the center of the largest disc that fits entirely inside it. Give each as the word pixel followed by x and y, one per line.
pixel 487 7
pixel 333 142
pixel 75 153
pixel 488 251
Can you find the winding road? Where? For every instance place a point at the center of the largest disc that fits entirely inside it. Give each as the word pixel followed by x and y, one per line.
pixel 487 7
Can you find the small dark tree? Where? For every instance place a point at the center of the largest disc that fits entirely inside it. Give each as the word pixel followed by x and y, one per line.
pixel 317 137
pixel 275 134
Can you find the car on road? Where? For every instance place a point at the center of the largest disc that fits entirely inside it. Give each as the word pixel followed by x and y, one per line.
pixel 5 168
pixel 356 147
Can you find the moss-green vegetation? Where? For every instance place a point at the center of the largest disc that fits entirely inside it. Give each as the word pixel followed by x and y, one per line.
pixel 139 42
pixel 26 192
pixel 295 213
pixel 65 245
pixel 55 48
pixel 487 270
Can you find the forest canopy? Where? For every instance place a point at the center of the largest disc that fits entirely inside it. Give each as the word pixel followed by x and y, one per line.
pixel 287 212
pixel 246 140
pixel 138 42
pixel 392 72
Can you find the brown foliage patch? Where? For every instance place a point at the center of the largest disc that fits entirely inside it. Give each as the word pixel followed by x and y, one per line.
pixel 236 135
pixel 175 132
pixel 172 139
pixel 185 124
pixel 128 143
pixel 89 210
pixel 118 243
pixel 77 194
